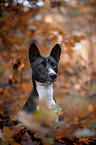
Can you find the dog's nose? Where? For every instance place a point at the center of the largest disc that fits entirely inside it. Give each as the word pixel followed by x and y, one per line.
pixel 53 76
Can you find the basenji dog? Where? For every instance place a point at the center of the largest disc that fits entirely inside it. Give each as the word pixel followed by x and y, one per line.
pixel 44 74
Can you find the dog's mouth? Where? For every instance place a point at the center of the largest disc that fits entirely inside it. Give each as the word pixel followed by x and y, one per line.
pixel 51 81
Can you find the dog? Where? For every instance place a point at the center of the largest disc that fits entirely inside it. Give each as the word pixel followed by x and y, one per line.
pixel 44 74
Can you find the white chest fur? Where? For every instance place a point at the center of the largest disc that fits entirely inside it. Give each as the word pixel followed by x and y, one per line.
pixel 45 92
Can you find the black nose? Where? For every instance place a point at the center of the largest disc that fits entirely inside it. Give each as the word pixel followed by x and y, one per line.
pixel 53 76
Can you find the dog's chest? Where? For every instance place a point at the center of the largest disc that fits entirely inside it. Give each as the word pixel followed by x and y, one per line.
pixel 45 92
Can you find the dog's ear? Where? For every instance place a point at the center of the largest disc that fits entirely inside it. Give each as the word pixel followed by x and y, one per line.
pixel 33 52
pixel 55 52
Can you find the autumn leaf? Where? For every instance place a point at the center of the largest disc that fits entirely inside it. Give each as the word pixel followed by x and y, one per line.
pixel 91 108
pixel 7 137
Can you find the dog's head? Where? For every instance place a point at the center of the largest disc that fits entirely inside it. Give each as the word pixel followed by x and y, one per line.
pixel 44 68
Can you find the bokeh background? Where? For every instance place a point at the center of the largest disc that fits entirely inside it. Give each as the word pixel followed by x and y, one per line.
pixel 72 24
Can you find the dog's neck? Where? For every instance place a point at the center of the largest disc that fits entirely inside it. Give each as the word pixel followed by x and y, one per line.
pixel 45 92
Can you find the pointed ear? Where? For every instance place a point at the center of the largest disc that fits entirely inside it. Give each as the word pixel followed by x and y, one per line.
pixel 33 52
pixel 55 52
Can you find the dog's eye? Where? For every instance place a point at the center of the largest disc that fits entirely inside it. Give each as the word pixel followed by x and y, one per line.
pixel 42 64
pixel 53 64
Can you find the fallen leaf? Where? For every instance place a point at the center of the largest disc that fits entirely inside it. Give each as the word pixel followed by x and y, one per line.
pixel 7 132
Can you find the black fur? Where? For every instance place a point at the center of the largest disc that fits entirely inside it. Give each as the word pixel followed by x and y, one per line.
pixel 40 65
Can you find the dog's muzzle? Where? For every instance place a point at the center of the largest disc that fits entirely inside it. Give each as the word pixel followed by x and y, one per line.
pixel 52 74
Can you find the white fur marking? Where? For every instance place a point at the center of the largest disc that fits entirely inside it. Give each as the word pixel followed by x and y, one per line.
pixel 45 91
pixel 51 71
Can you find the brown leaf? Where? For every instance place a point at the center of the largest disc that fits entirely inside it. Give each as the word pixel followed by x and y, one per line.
pixel 7 132
pixel 1 91
pixel 61 132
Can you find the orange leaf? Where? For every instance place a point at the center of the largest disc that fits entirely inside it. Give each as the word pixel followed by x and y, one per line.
pixel 91 108
pixel 23 85
pixel 7 132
